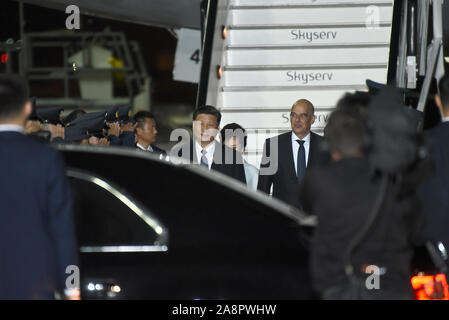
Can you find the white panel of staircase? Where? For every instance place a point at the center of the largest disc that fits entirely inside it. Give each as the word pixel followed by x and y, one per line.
pixel 306 56
pixel 306 2
pixel 278 119
pixel 317 77
pixel 300 36
pixel 256 140
pixel 309 15
pixel 277 99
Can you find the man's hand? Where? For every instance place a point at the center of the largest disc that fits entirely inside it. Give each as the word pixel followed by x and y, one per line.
pixel 103 142
pixel 93 140
pixel 114 128
pixel 32 126
pixel 128 127
pixel 98 142
pixel 56 131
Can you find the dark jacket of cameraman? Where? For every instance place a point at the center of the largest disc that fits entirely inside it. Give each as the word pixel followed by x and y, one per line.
pixel 342 196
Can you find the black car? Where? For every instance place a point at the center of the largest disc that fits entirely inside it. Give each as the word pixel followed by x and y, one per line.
pixel 150 229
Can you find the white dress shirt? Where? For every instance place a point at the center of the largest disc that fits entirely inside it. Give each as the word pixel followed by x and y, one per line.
pixel 11 127
pixel 295 148
pixel 210 149
pixel 251 174
pixel 445 119
pixel 147 149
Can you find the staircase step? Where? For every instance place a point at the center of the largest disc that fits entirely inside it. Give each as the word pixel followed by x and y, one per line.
pixel 306 67
pixel 307 55
pixel 318 25
pixel 266 119
pixel 295 89
pixel 307 14
pixel 294 35
pixel 298 77
pixel 270 3
pixel 236 47
pixel 278 99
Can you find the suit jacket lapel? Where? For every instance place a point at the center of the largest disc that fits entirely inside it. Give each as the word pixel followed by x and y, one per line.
pixel 219 154
pixel 312 149
pixel 289 160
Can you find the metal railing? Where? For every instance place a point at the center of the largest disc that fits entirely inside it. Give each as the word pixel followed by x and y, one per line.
pixel 133 69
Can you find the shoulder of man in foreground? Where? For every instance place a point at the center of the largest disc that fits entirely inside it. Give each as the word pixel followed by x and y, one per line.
pixel 31 146
pixel 48 164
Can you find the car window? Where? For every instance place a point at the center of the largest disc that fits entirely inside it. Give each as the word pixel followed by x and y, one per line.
pixel 104 216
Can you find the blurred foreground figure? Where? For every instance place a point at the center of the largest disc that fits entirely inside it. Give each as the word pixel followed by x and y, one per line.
pixel 435 193
pixel 37 240
pixel 368 220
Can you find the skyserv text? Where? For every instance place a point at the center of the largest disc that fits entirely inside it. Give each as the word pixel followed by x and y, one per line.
pixel 225 309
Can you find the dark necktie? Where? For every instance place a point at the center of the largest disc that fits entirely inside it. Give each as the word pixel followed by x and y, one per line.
pixel 301 161
pixel 204 161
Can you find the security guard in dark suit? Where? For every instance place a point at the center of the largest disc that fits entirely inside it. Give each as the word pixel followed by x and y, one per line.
pixel 37 237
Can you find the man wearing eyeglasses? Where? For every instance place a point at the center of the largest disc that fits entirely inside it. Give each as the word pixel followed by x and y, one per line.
pixel 294 151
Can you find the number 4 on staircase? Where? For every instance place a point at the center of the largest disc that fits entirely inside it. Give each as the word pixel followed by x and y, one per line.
pixel 196 56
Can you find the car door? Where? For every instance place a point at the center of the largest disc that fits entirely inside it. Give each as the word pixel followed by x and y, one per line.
pixel 116 235
pixel 225 241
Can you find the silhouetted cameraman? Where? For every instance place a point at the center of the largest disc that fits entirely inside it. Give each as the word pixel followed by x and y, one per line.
pixel 368 220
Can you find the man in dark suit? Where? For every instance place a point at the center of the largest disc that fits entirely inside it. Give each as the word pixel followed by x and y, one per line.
pixel 36 224
pixel 434 194
pixel 287 156
pixel 205 151
pixel 146 132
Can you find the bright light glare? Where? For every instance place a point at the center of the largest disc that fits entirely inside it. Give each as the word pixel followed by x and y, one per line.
pixel 116 289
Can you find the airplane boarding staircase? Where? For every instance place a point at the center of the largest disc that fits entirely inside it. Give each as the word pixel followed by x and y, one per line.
pixel 269 53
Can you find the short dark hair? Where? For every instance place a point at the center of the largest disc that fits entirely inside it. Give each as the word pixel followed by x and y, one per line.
pixel 444 90
pixel 13 94
pixel 207 110
pixel 232 127
pixel 140 117
pixel 345 132
pixel 354 102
